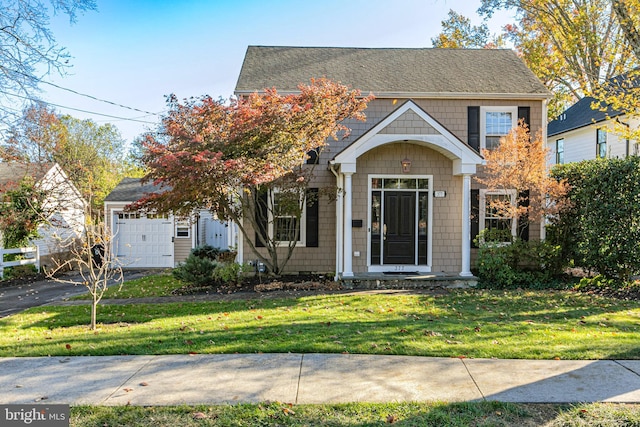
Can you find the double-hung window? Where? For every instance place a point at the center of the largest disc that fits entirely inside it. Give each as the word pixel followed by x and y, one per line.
pixel 288 222
pixel 496 122
pixel 601 143
pixel 493 204
pixel 560 151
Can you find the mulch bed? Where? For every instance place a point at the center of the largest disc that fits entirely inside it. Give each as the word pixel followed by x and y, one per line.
pixel 262 284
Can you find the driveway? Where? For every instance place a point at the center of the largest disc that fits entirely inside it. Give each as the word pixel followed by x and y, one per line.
pixel 16 298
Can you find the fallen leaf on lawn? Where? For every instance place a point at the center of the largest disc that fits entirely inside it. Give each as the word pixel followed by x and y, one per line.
pixel 391 419
pixel 288 411
pixel 199 416
pixel 68 346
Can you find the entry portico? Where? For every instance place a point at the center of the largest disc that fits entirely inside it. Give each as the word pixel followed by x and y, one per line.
pixel 401 217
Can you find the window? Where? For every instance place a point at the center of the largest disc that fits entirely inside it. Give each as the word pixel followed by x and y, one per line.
pixel 601 143
pixel 560 151
pixel 496 122
pixel 183 228
pixel 286 225
pixel 490 218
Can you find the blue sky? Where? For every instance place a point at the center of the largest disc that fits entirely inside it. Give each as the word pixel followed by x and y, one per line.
pixel 134 52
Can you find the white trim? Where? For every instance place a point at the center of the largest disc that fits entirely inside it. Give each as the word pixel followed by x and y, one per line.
pixel 495 109
pixel 302 236
pixel 430 95
pixel 402 267
pixel 465 159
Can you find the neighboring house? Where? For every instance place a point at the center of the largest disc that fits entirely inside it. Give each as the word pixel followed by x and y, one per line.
pixel 147 240
pixel 63 203
pixel 407 200
pixel 584 133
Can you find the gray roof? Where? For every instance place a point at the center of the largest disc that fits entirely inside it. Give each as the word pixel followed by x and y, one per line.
pixel 131 190
pixel 579 115
pixel 13 172
pixel 391 71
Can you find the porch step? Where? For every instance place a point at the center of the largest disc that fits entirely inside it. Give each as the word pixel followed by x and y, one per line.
pixel 408 281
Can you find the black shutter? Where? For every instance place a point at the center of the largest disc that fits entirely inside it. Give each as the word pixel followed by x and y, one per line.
pixel 475 216
pixel 523 220
pixel 312 218
pixel 313 157
pixel 524 113
pixel 473 127
pixel 262 215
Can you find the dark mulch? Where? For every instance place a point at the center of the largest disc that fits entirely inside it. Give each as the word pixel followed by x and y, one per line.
pixel 264 283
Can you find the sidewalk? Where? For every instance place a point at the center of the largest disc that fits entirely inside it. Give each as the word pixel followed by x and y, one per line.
pixel 311 378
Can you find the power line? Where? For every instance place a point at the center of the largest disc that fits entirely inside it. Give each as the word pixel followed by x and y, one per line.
pixel 99 99
pixel 79 109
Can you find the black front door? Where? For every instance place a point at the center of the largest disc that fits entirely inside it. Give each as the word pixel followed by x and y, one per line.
pixel 399 230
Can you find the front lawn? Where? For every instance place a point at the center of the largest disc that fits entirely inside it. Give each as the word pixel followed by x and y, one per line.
pixel 362 414
pixel 463 323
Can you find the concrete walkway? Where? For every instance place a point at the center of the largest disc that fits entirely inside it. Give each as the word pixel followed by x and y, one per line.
pixel 311 378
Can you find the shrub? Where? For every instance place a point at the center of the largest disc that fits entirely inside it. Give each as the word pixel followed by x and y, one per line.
pixel 518 263
pixel 196 271
pixel 205 267
pixel 206 251
pixel 601 229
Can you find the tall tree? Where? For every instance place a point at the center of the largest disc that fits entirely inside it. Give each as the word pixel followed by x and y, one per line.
pixel 457 32
pixel 28 49
pixel 231 159
pixel 520 163
pixel 572 46
pixel 628 14
pixel 93 156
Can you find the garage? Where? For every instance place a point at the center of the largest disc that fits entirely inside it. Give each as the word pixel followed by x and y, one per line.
pixel 142 241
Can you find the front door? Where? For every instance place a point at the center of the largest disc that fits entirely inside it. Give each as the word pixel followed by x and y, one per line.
pixel 399 224
pixel 399 229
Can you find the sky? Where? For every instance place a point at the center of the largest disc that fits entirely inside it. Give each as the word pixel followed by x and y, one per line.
pixel 132 53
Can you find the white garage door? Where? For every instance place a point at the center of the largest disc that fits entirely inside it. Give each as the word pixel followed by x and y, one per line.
pixel 142 242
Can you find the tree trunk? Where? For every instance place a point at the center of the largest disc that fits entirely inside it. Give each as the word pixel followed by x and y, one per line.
pixel 629 29
pixel 94 310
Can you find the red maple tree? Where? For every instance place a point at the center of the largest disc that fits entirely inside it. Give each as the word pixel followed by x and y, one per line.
pixel 218 156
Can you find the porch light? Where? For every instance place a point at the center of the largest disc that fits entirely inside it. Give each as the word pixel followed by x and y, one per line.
pixel 406 165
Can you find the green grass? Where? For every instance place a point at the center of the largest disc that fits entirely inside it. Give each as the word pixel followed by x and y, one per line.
pixel 464 323
pixel 157 285
pixel 361 414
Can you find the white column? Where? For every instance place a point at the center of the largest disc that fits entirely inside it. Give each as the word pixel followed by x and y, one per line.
pixel 466 226
pixel 339 228
pixel 348 235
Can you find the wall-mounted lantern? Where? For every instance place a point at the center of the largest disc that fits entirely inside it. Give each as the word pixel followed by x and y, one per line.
pixel 406 165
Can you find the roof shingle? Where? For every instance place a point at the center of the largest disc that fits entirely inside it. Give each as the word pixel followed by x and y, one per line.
pixel 391 71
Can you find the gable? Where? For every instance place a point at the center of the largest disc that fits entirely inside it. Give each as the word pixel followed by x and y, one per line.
pixel 409 120
pixel 394 128
pixel 392 72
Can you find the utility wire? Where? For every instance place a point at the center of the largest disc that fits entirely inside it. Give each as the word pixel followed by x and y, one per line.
pixel 99 99
pixel 78 109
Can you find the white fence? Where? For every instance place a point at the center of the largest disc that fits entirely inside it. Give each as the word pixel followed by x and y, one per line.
pixel 30 259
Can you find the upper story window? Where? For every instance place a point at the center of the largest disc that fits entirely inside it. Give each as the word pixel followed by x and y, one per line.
pixel 560 151
pixel 496 122
pixel 601 143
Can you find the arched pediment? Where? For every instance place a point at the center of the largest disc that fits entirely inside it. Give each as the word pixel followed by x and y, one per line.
pixel 425 131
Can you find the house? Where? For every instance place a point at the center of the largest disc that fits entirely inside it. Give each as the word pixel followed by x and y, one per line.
pixel 148 240
pixel 63 203
pixel 584 133
pixel 407 200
